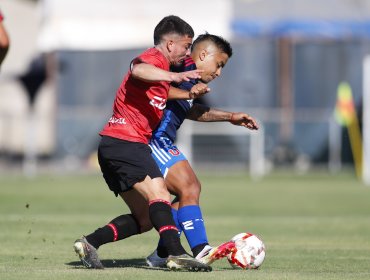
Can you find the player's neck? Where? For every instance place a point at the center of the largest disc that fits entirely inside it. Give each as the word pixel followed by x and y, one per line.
pixel 164 51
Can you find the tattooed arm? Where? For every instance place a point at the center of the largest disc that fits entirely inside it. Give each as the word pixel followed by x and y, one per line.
pixel 203 113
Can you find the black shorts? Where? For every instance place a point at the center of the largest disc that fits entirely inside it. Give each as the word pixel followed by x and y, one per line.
pixel 125 163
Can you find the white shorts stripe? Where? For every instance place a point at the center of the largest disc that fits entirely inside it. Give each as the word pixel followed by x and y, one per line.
pixel 157 157
pixel 165 173
pixel 162 151
pixel 158 154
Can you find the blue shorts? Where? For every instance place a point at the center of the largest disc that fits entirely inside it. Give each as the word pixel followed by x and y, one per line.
pixel 165 153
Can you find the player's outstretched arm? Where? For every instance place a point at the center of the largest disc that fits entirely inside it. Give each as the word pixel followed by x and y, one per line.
pixel 198 90
pixel 243 119
pixel 203 113
pixel 150 73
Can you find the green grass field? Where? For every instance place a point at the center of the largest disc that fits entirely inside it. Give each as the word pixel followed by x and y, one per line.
pixel 314 227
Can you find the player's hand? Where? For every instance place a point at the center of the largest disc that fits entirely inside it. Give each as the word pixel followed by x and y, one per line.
pixel 199 90
pixel 186 76
pixel 243 119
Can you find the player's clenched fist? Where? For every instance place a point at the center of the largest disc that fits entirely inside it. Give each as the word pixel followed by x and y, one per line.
pixel 198 90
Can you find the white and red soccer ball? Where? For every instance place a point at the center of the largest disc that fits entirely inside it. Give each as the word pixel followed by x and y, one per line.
pixel 249 251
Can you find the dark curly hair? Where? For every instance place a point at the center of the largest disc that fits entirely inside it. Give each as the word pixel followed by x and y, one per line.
pixel 172 24
pixel 222 44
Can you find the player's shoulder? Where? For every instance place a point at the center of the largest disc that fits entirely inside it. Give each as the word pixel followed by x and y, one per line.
pixel 153 56
pixel 187 64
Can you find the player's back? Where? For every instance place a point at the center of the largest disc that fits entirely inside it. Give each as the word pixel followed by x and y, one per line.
pixel 138 106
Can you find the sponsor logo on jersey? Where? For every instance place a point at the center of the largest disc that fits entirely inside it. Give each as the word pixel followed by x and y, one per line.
pixel 117 120
pixel 158 102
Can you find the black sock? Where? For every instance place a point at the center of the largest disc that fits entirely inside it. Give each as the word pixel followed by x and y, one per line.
pixel 162 251
pixel 119 228
pixel 197 249
pixel 162 220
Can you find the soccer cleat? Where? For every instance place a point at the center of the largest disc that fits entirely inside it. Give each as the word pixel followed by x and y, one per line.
pixel 153 260
pixel 209 254
pixel 186 262
pixel 87 254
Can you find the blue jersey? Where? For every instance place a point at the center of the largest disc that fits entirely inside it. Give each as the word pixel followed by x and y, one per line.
pixel 176 110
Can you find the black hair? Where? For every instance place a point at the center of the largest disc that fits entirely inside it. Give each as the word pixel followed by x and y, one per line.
pixel 222 44
pixel 172 24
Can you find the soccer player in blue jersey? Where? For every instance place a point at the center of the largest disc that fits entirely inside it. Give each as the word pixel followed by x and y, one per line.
pixel 209 53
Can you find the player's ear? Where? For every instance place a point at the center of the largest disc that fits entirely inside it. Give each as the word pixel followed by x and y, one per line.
pixel 202 55
pixel 170 45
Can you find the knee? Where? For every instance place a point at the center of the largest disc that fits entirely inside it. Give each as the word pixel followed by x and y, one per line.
pixel 158 191
pixel 191 193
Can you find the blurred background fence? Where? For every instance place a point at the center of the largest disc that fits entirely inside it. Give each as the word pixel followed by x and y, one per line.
pixel 67 59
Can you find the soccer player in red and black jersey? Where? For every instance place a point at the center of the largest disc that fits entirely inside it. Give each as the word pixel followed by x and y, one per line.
pixel 124 156
pixel 4 39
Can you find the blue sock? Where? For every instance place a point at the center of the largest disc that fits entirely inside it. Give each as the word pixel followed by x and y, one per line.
pixel 174 215
pixel 191 220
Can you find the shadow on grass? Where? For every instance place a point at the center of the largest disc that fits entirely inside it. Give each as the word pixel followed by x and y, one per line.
pixel 110 263
pixel 134 263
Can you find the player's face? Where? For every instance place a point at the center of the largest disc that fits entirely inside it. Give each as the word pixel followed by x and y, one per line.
pixel 212 65
pixel 179 49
